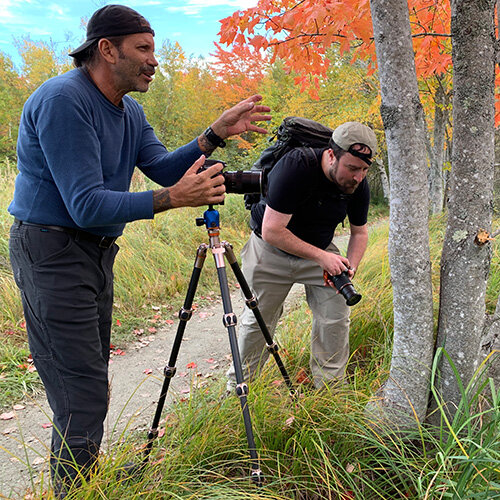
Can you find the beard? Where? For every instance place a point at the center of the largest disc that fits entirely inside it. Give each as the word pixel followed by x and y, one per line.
pixel 347 187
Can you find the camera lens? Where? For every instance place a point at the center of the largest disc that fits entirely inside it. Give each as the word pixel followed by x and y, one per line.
pixel 344 285
pixel 243 182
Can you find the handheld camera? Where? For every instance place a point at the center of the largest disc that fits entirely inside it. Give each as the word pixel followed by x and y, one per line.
pixel 239 181
pixel 344 285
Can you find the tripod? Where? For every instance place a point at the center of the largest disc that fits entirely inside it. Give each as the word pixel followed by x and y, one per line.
pixel 219 249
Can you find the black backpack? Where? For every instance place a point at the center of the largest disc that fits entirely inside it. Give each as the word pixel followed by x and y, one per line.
pixel 294 132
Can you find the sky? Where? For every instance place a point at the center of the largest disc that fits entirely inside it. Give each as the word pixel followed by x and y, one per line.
pixel 192 23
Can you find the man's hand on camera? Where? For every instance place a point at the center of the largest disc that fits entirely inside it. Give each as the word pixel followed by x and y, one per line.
pixel 334 264
pixel 193 189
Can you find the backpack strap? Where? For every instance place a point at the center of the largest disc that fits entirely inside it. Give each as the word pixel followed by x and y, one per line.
pixel 310 155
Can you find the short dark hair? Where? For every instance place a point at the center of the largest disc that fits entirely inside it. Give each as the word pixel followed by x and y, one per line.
pixel 88 56
pixel 338 152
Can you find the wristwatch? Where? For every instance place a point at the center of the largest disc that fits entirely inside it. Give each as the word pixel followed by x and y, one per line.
pixel 213 138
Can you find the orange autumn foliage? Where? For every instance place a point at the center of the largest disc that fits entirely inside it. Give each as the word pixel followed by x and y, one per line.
pixel 300 33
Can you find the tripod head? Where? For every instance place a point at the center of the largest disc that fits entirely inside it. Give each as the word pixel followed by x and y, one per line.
pixel 210 218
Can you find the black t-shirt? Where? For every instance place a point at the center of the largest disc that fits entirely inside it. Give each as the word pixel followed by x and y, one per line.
pixel 299 187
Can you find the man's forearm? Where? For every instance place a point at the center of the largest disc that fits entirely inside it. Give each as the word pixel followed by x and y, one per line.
pixel 161 200
pixel 285 240
pixel 205 145
pixel 356 248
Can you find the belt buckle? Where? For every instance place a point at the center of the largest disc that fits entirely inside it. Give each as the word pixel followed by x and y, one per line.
pixel 106 242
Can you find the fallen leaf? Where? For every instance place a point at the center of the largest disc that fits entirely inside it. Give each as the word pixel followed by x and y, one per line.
pixel 289 421
pixel 277 382
pixel 118 322
pixel 169 321
pixel 349 468
pixel 5 432
pixel 138 331
pixel 7 416
pixel 191 365
pixel 161 433
pixel 184 391
pixel 38 461
pixel 152 329
pixel 19 407
pixel 210 360
pixel 302 377
pixel 47 426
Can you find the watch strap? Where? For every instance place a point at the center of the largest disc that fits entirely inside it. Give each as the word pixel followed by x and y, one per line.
pixel 213 138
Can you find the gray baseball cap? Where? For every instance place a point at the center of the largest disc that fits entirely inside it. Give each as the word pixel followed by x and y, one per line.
pixel 350 133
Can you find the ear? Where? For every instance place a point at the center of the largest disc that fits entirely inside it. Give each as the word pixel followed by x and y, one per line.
pixel 107 50
pixel 331 155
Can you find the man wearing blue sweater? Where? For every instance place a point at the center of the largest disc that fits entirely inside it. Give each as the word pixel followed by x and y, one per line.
pixel 80 139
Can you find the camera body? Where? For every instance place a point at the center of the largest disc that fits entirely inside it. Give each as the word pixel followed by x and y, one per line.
pixel 239 181
pixel 344 285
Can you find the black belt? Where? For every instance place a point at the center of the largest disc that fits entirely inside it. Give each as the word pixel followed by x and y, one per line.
pixel 77 234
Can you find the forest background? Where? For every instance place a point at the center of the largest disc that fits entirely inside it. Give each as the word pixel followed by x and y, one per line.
pixel 307 60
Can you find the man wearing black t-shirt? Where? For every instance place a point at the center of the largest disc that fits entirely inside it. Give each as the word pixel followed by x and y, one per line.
pixel 309 192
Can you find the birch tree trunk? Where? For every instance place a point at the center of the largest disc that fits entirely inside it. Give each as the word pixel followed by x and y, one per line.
pixel 384 180
pixel 436 174
pixel 465 264
pixel 405 394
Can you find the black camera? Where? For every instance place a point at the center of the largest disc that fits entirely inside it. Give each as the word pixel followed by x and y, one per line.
pixel 344 285
pixel 239 181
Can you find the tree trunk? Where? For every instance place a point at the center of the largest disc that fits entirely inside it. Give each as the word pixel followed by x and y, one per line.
pixel 436 174
pixel 405 394
pixel 384 180
pixel 490 345
pixel 465 264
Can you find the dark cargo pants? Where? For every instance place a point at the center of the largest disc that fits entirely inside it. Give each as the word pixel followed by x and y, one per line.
pixel 67 295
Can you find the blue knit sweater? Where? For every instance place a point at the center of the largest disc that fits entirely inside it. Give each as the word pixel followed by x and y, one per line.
pixel 76 155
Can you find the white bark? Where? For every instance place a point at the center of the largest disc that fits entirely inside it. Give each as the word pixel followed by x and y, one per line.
pixel 465 264
pixel 436 174
pixel 384 180
pixel 405 394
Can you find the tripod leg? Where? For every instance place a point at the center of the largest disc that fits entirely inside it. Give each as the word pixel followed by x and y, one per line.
pixel 169 371
pixel 252 303
pixel 241 387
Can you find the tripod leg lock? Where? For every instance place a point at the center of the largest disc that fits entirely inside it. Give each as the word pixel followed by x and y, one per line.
pixel 185 314
pixel 169 371
pixel 153 434
pixel 252 302
pixel 229 319
pixel 242 390
pixel 272 347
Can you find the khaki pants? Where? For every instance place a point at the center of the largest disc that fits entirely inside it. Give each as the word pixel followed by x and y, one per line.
pixel 271 273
